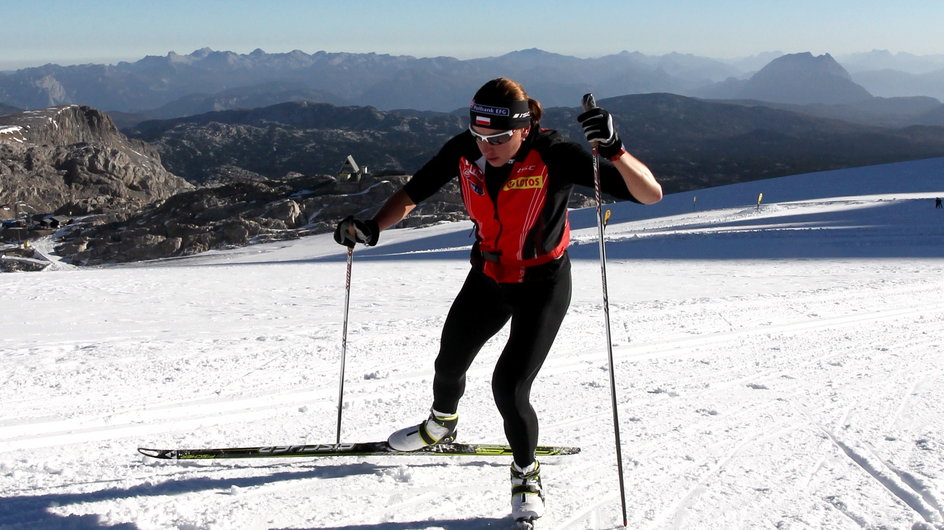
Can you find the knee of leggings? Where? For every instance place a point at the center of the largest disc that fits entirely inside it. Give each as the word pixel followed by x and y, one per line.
pixel 510 396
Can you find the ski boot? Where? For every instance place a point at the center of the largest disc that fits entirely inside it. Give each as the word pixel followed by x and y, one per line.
pixel 438 428
pixel 527 494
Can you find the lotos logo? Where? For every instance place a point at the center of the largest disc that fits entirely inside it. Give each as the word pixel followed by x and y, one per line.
pixel 525 183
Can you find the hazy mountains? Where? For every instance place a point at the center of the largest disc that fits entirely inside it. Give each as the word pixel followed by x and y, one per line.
pixel 895 75
pixel 154 85
pixel 206 80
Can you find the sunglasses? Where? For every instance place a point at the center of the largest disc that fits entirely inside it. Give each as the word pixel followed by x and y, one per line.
pixel 493 139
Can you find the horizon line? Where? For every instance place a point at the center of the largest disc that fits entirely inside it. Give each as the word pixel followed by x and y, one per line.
pixel 12 65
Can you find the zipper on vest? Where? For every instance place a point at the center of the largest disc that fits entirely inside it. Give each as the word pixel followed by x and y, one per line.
pixel 495 198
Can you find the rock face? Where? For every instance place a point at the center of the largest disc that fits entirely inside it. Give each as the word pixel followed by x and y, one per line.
pixel 241 213
pixel 73 160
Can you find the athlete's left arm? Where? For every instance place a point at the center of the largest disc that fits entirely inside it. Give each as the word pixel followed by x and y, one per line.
pixel 626 177
pixel 638 178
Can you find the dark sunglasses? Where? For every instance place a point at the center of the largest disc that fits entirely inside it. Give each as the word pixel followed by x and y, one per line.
pixel 493 139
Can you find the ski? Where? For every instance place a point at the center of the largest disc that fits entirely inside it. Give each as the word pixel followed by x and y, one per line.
pixel 347 449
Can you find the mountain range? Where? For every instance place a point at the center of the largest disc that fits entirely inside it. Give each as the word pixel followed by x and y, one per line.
pixel 207 80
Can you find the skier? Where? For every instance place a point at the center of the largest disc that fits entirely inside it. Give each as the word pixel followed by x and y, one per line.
pixel 516 180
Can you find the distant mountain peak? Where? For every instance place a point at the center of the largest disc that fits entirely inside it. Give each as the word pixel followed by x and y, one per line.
pixel 807 62
pixel 202 52
pixel 803 79
pixel 531 52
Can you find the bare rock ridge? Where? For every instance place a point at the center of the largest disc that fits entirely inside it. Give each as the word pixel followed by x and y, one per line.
pixel 73 160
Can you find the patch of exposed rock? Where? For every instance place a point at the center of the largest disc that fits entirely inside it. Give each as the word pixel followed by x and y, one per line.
pixel 73 160
pixel 239 213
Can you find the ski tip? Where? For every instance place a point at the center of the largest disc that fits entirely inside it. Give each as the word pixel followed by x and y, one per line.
pixel 155 453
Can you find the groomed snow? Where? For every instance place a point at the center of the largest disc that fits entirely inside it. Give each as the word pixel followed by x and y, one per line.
pixel 777 367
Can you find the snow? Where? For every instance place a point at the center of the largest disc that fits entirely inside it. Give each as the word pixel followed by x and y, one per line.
pixel 776 367
pixel 12 132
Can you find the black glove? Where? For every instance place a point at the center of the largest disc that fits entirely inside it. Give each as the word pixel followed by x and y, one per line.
pixel 598 128
pixel 351 231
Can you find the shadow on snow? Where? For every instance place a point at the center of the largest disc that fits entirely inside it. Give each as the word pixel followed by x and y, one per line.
pixel 35 511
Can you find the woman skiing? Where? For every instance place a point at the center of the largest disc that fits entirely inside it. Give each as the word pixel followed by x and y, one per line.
pixel 516 180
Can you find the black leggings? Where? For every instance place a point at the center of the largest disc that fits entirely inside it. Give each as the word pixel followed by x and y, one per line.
pixel 483 307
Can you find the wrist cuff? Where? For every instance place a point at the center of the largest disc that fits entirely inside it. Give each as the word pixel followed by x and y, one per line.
pixel 613 152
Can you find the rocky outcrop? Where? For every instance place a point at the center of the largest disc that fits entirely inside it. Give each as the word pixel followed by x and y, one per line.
pixel 240 213
pixel 73 160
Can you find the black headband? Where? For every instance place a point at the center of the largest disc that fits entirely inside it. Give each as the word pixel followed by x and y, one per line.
pixel 505 115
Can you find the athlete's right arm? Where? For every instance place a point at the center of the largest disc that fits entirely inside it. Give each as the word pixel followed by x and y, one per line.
pixel 425 182
pixel 397 207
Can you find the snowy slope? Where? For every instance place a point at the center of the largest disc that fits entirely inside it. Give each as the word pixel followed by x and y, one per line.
pixel 777 367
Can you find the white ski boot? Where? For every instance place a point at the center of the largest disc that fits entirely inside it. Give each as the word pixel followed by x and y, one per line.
pixel 438 428
pixel 527 494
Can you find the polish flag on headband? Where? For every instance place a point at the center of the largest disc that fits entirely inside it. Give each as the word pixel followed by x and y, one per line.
pixel 483 121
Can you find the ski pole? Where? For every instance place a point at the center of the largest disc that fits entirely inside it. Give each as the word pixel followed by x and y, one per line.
pixel 590 103
pixel 347 306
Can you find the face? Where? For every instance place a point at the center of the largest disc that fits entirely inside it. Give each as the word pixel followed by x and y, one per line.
pixel 499 155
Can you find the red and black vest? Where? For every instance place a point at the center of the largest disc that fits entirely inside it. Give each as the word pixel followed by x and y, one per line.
pixel 524 225
pixel 520 214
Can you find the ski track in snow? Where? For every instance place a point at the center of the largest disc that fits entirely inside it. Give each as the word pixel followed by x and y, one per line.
pixel 757 392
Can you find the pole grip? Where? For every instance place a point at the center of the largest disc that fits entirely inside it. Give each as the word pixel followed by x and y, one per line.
pixel 589 103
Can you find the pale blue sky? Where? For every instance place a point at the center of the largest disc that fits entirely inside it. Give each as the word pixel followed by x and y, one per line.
pixel 106 31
